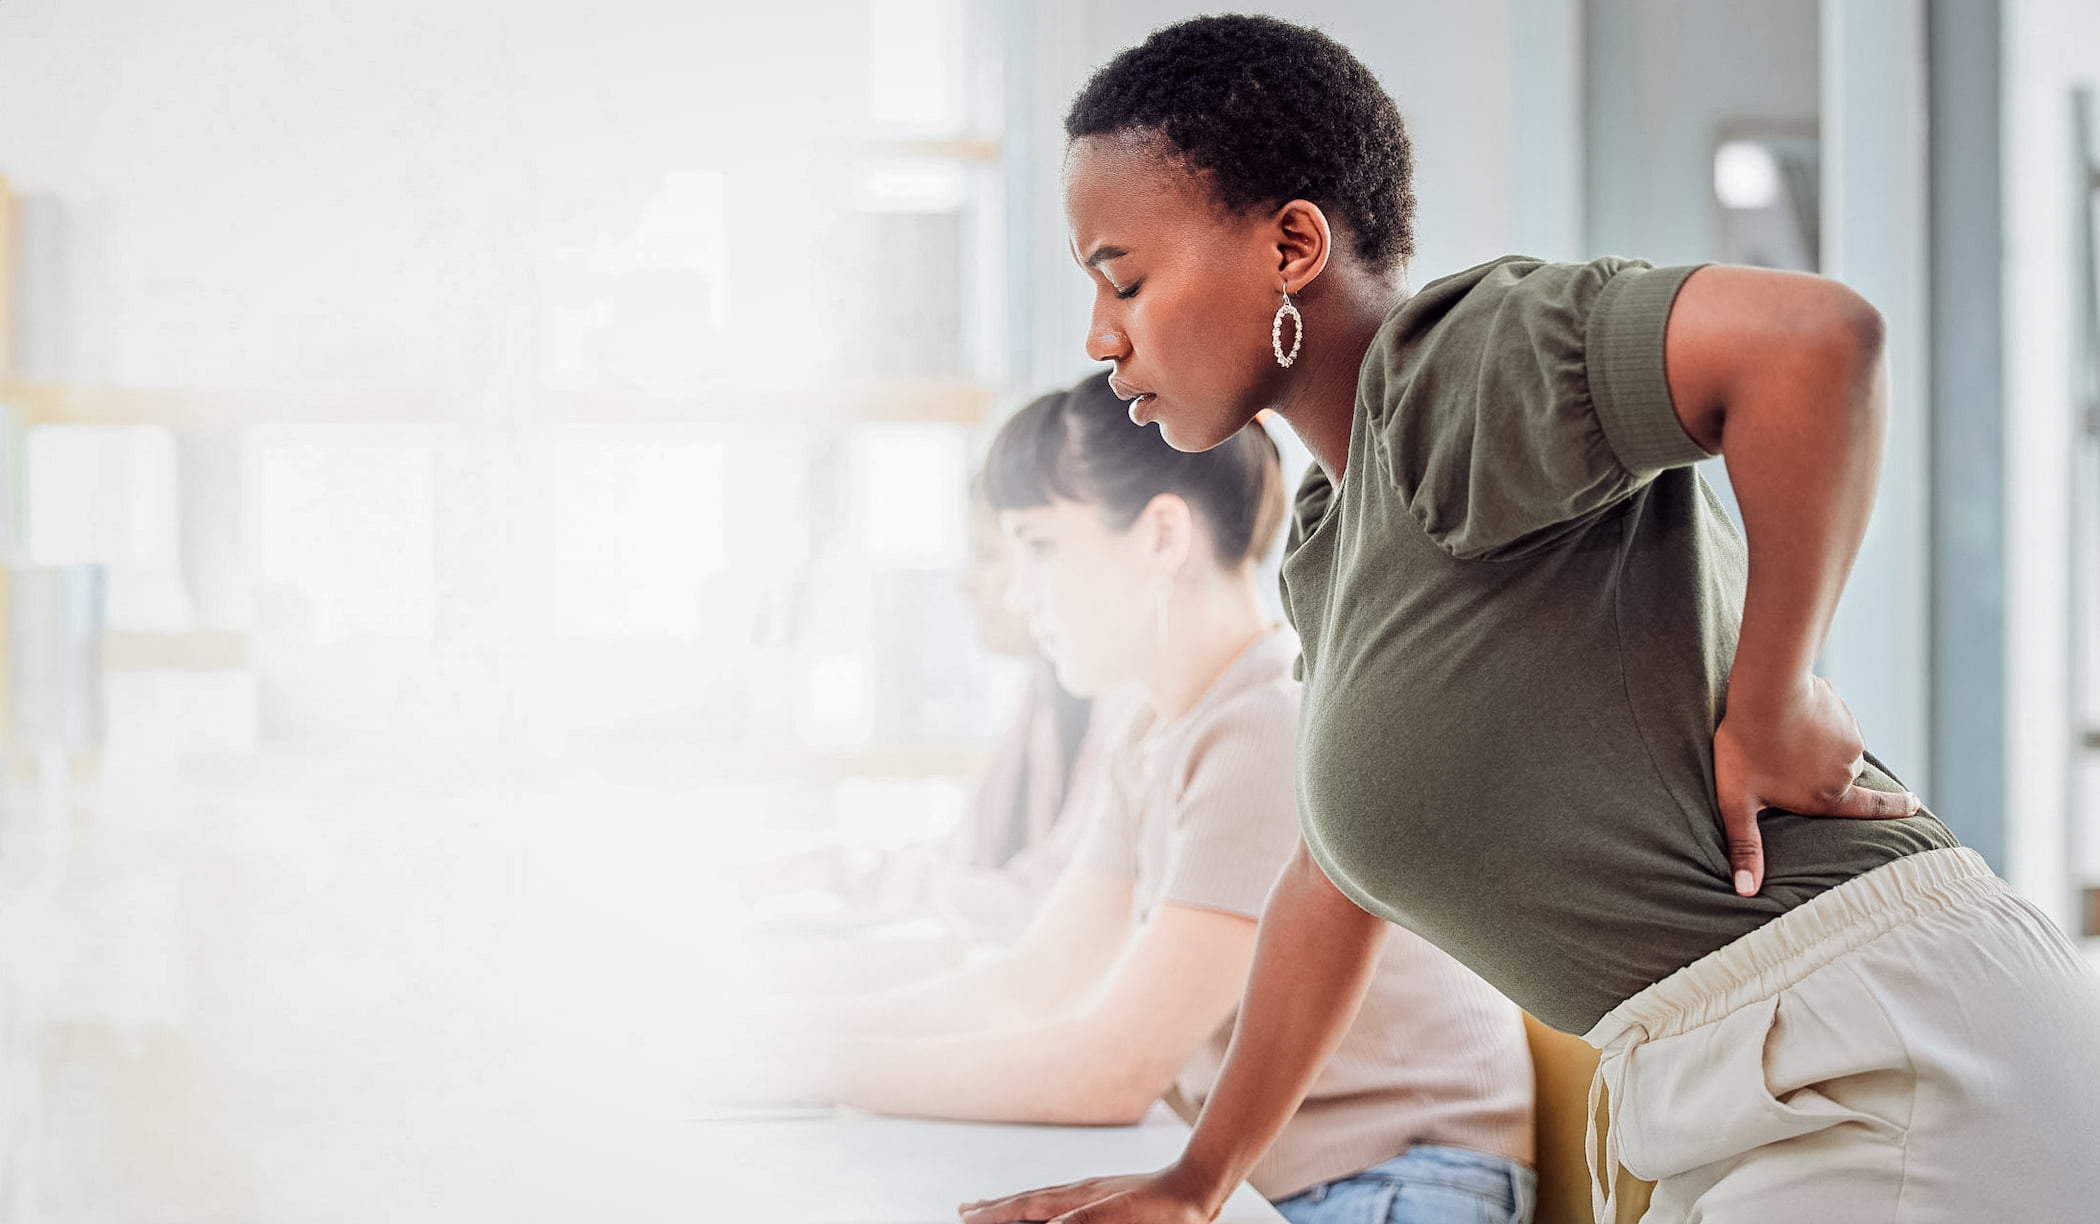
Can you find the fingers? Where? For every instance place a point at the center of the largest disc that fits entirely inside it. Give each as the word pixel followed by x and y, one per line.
pixel 1027 1205
pixel 1746 845
pixel 1861 803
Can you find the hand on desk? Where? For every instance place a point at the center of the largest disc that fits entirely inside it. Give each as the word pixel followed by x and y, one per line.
pixel 1136 1198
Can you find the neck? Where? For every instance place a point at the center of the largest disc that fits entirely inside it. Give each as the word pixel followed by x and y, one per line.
pixel 1211 623
pixel 1341 319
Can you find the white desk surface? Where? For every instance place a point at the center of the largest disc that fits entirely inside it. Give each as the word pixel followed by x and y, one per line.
pixel 855 1168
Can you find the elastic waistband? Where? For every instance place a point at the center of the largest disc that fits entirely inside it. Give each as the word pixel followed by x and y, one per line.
pixel 1787 949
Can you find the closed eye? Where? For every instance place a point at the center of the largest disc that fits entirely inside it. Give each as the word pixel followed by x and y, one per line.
pixel 1130 292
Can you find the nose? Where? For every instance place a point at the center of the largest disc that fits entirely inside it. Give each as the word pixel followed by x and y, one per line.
pixel 1104 340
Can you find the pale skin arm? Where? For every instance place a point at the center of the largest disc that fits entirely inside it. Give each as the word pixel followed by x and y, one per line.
pixel 1314 944
pixel 1103 1062
pixel 1067 948
pixel 1783 375
pixel 802 1049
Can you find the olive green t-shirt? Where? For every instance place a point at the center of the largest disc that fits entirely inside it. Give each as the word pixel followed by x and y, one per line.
pixel 1518 614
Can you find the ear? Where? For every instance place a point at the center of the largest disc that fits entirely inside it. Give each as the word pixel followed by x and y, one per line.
pixel 1304 240
pixel 1168 530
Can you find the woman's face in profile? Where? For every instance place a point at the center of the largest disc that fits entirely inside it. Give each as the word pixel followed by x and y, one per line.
pixel 985 578
pixel 1184 291
pixel 1086 591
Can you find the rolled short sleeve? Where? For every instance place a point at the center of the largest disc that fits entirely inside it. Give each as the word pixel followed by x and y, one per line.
pixel 1518 402
pixel 1235 817
pixel 1629 388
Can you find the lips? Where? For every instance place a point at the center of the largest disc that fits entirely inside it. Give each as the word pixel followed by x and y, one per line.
pixel 1123 390
pixel 1140 401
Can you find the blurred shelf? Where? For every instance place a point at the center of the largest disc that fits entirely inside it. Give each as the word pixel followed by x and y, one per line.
pixel 956 401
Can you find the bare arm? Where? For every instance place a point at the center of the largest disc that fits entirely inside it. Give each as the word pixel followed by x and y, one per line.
pixel 1082 926
pixel 1313 963
pixel 1098 1060
pixel 1783 374
pixel 1312 968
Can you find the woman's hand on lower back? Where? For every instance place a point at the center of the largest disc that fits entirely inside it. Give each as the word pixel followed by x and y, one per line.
pixel 1164 1197
pixel 1799 749
pixel 1784 374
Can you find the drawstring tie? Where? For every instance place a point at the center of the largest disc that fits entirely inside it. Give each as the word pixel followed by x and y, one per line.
pixel 1603 1158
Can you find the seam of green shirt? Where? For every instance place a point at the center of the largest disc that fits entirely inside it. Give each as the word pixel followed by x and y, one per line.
pixel 1629 389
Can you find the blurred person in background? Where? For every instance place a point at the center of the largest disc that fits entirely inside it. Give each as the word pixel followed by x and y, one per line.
pixel 988 878
pixel 1024 820
pixel 1136 563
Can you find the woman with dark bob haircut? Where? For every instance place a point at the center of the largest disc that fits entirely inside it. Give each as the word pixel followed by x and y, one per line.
pixel 1136 567
pixel 1558 717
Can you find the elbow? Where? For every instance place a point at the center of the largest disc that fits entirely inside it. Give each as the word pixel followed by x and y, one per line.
pixel 1140 1090
pixel 1111 1089
pixel 1128 1111
pixel 1115 1096
pixel 1105 1112
pixel 1834 341
pixel 1086 1108
pixel 1847 331
pixel 1865 332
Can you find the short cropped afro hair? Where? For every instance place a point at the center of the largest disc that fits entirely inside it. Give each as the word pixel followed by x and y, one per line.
pixel 1272 112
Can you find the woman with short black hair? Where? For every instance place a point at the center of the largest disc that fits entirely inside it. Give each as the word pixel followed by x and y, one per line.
pixel 1558 716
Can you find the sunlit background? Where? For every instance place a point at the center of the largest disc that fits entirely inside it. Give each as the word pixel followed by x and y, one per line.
pixel 480 480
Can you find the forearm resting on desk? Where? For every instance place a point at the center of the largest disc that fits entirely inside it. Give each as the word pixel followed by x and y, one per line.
pixel 955 1001
pixel 1055 1072
pixel 1060 959
pixel 1101 1059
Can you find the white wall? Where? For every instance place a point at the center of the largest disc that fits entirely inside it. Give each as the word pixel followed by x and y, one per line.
pixel 1663 77
pixel 339 987
pixel 1875 240
pixel 233 194
pixel 2050 46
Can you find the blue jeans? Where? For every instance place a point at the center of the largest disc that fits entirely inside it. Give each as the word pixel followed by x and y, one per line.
pixel 1427 1184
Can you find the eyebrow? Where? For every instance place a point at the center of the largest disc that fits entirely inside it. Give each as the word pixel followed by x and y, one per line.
pixel 1102 254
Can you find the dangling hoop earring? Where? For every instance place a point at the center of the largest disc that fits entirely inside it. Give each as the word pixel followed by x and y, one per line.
pixel 1297 333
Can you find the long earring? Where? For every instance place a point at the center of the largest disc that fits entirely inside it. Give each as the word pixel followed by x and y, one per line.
pixel 1161 588
pixel 1297 332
